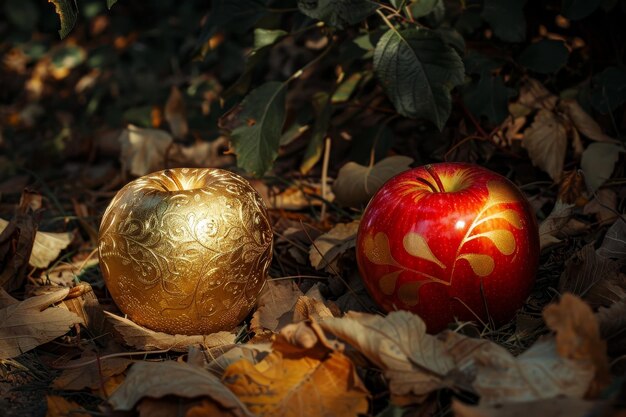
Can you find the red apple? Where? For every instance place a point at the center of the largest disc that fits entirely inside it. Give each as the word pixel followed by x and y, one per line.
pixel 447 241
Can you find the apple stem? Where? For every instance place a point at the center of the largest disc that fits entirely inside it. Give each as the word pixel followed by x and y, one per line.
pixel 427 183
pixel 171 176
pixel 433 174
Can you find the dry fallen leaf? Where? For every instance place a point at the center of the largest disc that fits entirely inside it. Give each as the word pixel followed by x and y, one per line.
pixel 82 301
pixel 546 143
pixel 538 373
pixel 275 305
pixel 583 122
pixel 578 336
pixel 6 299
pixel 252 352
pixel 60 407
pixel 614 243
pixel 301 386
pixel 305 338
pixel 158 379
pixel 598 163
pixel 89 371
pixel 145 339
pixel 356 184
pixel 553 407
pixel 594 278
pixel 326 248
pixel 30 323
pixel 554 223
pixel 176 114
pixel 46 247
pixel 534 96
pixel 416 363
pixel 310 308
pixel 17 239
pixel 604 206
pixel 143 150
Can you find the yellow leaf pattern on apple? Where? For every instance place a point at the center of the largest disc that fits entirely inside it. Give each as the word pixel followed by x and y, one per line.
pixel 378 251
pixel 482 265
pixel 416 245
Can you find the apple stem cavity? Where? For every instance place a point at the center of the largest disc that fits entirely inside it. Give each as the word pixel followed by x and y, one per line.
pixel 171 176
pixel 427 183
pixel 434 175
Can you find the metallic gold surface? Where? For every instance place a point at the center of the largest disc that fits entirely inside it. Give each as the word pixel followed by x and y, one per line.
pixel 186 250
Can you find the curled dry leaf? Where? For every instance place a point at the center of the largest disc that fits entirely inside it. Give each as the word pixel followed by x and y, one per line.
pixel 546 143
pixel 554 223
pixel 594 278
pixel 252 352
pixel 305 338
pixel 578 337
pixel 326 248
pixel 145 339
pixel 176 114
pixel 538 373
pixel 310 308
pixel 46 247
pixel 276 304
pixel 82 301
pixel 143 150
pixel 32 322
pixel 416 363
pixel 553 407
pixel 158 379
pixel 534 96
pixel 60 407
pixel 614 243
pixel 583 122
pixel 356 184
pixel 17 239
pixel 300 386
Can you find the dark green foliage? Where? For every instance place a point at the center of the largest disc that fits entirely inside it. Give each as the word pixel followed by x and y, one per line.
pixel 338 13
pixel 418 70
pixel 546 56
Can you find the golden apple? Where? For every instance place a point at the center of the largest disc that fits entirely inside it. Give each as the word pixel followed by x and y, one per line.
pixel 186 251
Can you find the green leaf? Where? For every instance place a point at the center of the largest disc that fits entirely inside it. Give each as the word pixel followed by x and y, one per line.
pixel 262 116
pixel 421 8
pixel 338 13
pixel 598 162
pixel 22 13
pixel 110 3
pixel 323 110
pixel 398 4
pixel 578 9
pixel 68 13
pixel 506 18
pixel 546 56
pixel 488 97
pixel 418 70
pixel 267 37
pixel 346 88
pixel 609 89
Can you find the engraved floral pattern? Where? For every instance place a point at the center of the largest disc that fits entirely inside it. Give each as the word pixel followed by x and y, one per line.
pixel 186 251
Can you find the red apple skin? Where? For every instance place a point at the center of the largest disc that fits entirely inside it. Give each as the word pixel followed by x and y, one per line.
pixel 446 241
